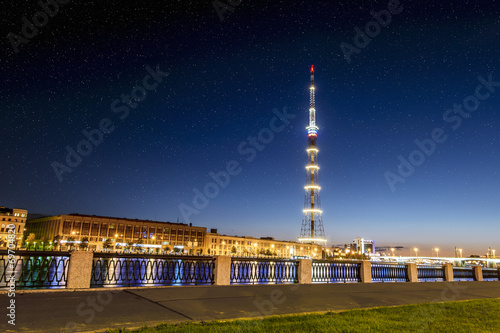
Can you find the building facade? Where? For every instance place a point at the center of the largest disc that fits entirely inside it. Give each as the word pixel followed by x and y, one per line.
pixel 363 246
pixel 243 246
pixel 154 236
pixel 9 217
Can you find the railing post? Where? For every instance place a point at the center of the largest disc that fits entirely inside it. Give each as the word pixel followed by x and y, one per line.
pixel 366 272
pixel 222 271
pixel 80 269
pixel 477 273
pixel 304 273
pixel 411 271
pixel 448 272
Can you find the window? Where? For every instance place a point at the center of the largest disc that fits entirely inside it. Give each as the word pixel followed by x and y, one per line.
pixel 66 227
pixel 3 227
pixel 104 230
pixel 95 229
pixel 85 228
pixel 76 227
pixel 137 231
pixel 128 231
pixel 121 230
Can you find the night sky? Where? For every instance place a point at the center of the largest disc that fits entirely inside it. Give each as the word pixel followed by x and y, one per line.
pixel 221 81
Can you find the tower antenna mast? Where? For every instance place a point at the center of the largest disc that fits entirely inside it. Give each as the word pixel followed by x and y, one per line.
pixel 312 230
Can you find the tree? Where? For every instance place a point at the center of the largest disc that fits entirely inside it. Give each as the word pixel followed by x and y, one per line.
pixel 30 240
pixel 139 242
pixel 107 244
pixel 233 249
pixel 45 241
pixel 129 246
pixel 71 239
pixel 57 241
pixel 84 244
pixel 268 253
pixel 177 250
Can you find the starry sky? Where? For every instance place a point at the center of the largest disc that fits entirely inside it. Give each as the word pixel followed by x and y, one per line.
pixel 222 75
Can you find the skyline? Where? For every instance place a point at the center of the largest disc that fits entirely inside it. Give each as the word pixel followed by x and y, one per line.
pixel 221 83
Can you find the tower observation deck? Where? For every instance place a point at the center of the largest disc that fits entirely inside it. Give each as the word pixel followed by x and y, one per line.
pixel 312 230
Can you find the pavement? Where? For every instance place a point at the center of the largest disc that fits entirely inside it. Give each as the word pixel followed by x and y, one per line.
pixel 97 309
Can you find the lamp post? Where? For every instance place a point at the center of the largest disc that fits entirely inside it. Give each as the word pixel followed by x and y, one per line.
pixel 416 251
pixel 460 250
pixel 437 252
pixel 392 250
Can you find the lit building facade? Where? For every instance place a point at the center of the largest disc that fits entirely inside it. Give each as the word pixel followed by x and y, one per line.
pixel 155 236
pixel 363 246
pixel 12 216
pixel 242 246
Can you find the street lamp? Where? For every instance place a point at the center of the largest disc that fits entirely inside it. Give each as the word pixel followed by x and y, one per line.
pixel 416 251
pixel 392 249
pixel 460 252
pixel 437 252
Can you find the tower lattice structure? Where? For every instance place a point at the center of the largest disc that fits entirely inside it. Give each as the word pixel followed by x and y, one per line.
pixel 312 230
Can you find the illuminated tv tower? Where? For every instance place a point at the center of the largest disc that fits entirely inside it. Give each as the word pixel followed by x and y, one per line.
pixel 312 223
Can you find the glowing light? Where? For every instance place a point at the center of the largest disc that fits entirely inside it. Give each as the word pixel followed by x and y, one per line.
pixel 319 240
pixel 312 167
pixel 312 68
pixel 315 187
pixel 312 149
pixel 313 211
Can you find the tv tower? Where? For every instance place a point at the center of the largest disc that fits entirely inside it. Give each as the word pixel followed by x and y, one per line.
pixel 312 223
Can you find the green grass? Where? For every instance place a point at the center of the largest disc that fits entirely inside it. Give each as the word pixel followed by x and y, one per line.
pixel 463 316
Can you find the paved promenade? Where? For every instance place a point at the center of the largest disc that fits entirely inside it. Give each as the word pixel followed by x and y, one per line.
pixel 96 310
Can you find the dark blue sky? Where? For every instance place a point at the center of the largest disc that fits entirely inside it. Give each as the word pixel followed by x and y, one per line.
pixel 224 80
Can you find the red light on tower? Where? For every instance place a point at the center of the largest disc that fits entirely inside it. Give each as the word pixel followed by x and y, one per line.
pixel 312 68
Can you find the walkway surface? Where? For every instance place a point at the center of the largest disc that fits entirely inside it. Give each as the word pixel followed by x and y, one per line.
pixel 96 310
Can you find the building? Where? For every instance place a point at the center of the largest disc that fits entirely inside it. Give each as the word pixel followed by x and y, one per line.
pixel 363 246
pixel 155 236
pixel 312 231
pixel 9 217
pixel 243 246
